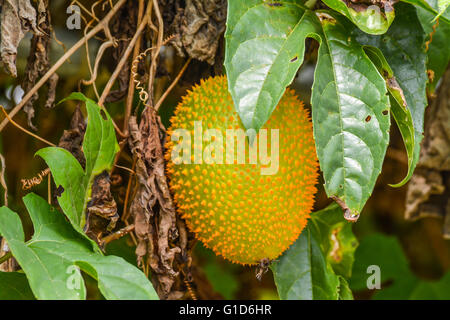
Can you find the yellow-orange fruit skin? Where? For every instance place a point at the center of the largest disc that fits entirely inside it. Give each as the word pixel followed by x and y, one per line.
pixel 233 209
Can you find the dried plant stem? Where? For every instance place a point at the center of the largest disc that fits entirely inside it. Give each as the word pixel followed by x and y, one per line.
pixel 126 212
pixel 25 130
pixel 101 25
pixel 49 188
pixel 129 101
pixel 2 180
pixel 86 46
pixel 174 82
pixel 125 168
pixel 118 234
pixel 84 8
pixel 160 35
pixel 123 60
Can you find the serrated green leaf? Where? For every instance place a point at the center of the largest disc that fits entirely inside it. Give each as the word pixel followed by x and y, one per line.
pixel 99 147
pixel 265 45
pixel 370 19
pixel 50 257
pixel 309 269
pixel 403 47
pixel 399 107
pixel 350 112
pixel 14 286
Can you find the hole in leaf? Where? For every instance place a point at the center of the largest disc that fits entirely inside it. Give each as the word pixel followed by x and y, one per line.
pixel 274 4
pixel 59 191
pixel 103 114
pixel 385 112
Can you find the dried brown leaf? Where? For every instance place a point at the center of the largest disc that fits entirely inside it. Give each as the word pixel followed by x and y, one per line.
pixel 163 240
pixel 38 62
pixel 429 190
pixel 123 29
pixel 198 25
pixel 17 18
pixel 101 210
pixel 72 139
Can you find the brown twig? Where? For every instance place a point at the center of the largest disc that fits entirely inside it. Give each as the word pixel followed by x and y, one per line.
pixel 348 215
pixel 125 168
pixel 25 130
pixel 86 46
pixel 130 95
pixel 123 60
pixel 118 234
pixel 160 35
pixel 126 213
pixel 49 188
pixel 2 180
pixel 83 7
pixel 101 25
pixel 174 82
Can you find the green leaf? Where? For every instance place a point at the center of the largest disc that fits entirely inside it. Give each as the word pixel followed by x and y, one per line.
pixel 265 45
pixel 50 258
pixel 370 19
pixel 432 6
pixel 309 269
pixel 439 49
pixel 397 280
pixel 350 112
pixel 403 47
pixel 432 290
pixel 336 238
pixel 99 147
pixel 14 286
pixel 389 257
pixel 222 280
pixel 442 6
pixel 345 293
pixel 399 107
pixel 302 273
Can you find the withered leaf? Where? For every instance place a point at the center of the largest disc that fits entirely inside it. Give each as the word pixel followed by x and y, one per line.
pixel 101 213
pixel 17 18
pixel 38 62
pixel 163 240
pixel 429 189
pixel 72 139
pixel 198 26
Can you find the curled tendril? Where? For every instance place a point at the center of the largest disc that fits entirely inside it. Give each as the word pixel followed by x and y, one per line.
pixel 143 95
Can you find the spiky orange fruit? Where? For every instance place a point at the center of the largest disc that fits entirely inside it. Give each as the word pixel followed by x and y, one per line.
pixel 232 208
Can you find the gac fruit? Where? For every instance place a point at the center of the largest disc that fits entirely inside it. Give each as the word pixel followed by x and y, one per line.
pixel 234 209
